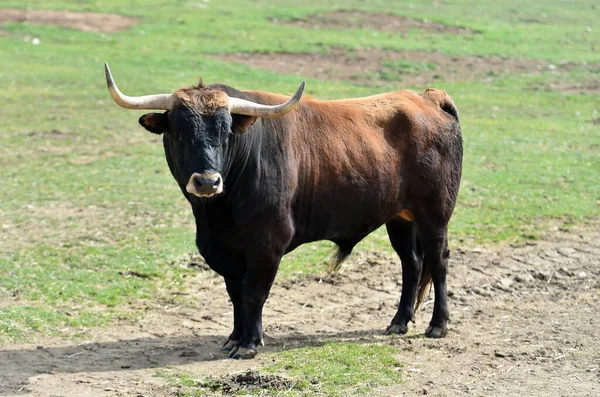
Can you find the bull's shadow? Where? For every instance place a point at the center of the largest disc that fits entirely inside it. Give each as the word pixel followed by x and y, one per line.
pixel 17 366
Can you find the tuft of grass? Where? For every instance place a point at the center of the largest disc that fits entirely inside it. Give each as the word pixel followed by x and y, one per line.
pixel 338 369
pixel 186 385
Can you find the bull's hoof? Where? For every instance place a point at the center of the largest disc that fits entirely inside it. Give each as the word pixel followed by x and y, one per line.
pixel 229 346
pixel 435 332
pixel 243 353
pixel 399 329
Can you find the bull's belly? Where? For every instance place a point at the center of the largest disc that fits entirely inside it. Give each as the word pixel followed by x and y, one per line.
pixel 341 222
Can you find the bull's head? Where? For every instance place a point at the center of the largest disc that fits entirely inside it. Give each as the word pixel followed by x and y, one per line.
pixel 197 123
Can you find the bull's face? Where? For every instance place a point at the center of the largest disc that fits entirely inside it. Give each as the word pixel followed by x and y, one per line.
pixel 197 139
pixel 197 125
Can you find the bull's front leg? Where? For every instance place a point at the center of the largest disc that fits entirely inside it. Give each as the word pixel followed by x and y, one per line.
pixel 234 289
pixel 255 286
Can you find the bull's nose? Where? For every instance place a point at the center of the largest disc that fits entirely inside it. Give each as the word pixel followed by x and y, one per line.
pixel 205 184
pixel 202 182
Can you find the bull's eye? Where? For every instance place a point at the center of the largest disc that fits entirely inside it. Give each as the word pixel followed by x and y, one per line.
pixel 224 139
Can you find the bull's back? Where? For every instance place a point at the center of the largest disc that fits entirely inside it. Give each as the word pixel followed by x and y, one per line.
pixel 356 158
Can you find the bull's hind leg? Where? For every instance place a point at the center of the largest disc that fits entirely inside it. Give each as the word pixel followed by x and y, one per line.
pixel 403 236
pixel 434 240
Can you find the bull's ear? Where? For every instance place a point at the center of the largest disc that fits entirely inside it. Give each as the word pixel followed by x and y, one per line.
pixel 241 124
pixel 156 123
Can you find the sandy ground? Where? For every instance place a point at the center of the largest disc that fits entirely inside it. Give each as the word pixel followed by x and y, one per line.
pixel 524 323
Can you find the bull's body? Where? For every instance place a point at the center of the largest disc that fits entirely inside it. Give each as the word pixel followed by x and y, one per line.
pixel 328 170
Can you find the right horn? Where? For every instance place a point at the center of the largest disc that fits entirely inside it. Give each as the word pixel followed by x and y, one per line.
pixel 158 101
pixel 249 108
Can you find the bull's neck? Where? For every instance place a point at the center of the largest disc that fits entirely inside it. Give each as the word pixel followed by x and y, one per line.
pixel 257 163
pixel 236 160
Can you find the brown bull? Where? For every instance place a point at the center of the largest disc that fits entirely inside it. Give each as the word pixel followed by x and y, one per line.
pixel 264 173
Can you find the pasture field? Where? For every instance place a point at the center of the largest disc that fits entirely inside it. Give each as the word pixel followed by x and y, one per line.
pixel 100 290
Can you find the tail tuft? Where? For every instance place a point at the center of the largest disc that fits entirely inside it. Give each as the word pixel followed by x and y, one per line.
pixel 424 288
pixel 335 263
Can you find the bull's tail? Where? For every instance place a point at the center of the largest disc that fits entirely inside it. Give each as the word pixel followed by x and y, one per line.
pixel 335 262
pixel 424 287
pixel 442 99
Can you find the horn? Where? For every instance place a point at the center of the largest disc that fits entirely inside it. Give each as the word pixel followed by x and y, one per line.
pixel 249 108
pixel 158 101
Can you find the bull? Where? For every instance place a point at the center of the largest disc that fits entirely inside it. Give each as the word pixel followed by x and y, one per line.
pixel 264 173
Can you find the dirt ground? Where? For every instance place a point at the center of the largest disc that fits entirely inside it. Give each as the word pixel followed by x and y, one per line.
pixel 524 323
pixel 85 21
pixel 351 19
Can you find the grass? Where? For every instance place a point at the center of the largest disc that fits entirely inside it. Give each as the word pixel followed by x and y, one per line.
pixel 339 369
pixel 408 66
pixel 333 369
pixel 392 71
pixel 69 321
pixel 91 219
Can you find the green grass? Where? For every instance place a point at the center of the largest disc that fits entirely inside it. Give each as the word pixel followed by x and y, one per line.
pixel 92 221
pixel 333 369
pixel 400 67
pixel 186 383
pixel 339 369
pixel 392 71
pixel 69 321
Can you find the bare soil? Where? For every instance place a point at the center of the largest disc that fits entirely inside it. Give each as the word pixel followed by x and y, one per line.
pixel 85 21
pixel 524 323
pixel 590 87
pixel 349 19
pixel 246 383
pixel 368 65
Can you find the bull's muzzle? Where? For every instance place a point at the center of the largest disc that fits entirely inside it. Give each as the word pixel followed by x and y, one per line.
pixel 205 184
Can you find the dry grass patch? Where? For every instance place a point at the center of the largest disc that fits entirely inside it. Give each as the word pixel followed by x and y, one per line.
pixel 84 21
pixel 350 19
pixel 56 223
pixel 592 87
pixel 64 224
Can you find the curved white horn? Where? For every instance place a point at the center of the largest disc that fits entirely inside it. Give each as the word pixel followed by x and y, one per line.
pixel 158 101
pixel 249 108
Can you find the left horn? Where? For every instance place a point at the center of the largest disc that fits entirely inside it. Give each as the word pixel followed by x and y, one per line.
pixel 158 101
pixel 249 108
